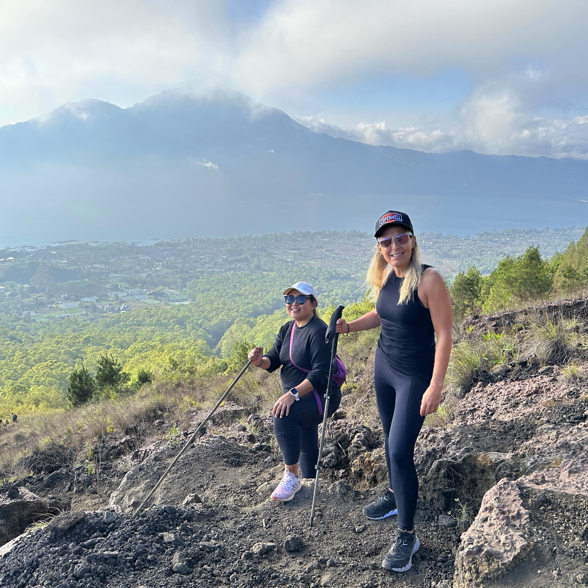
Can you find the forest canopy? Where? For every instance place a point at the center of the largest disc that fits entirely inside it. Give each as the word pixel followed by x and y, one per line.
pixel 184 307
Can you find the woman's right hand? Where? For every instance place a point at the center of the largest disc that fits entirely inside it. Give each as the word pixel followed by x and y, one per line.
pixel 256 356
pixel 341 326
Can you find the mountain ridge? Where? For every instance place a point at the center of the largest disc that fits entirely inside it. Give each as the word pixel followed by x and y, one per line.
pixel 179 156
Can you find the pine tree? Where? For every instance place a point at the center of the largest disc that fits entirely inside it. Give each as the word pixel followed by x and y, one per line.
pixel 466 292
pixel 82 387
pixel 109 372
pixel 521 279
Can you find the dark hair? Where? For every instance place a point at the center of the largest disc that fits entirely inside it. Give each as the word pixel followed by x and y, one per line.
pixel 313 299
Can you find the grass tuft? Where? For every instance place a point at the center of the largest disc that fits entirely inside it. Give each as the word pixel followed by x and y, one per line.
pixel 438 419
pixel 551 341
pixel 571 372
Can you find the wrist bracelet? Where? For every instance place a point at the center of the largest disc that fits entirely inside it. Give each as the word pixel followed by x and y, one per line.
pixel 348 329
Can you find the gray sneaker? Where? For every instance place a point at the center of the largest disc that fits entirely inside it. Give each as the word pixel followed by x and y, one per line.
pixel 399 558
pixel 384 507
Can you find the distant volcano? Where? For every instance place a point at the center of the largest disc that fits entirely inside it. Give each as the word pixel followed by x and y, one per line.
pixel 189 163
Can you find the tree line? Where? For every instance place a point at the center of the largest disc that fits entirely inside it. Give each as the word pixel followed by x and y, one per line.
pixel 521 279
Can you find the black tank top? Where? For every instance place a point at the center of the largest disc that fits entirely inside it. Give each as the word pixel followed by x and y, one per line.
pixel 407 338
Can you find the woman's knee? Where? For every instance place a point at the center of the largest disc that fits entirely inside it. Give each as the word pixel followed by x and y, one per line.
pixel 400 457
pixel 308 446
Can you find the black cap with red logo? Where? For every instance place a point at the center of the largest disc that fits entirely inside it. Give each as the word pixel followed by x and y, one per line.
pixel 392 217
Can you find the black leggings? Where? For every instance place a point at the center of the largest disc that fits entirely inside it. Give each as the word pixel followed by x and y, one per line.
pixel 399 403
pixel 297 433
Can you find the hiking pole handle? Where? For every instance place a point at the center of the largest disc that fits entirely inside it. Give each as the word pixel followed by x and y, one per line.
pixel 191 439
pixel 332 337
pixel 332 329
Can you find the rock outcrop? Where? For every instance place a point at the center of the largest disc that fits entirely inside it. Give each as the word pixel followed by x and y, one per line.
pixel 499 537
pixel 517 454
pixel 20 508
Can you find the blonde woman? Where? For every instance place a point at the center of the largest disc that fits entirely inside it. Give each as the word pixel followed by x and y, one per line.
pixel 413 308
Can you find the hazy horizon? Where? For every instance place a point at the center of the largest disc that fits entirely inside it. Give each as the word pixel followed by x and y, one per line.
pixel 300 115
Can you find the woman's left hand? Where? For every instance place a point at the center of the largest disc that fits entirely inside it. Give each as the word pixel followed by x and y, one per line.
pixel 431 400
pixel 283 404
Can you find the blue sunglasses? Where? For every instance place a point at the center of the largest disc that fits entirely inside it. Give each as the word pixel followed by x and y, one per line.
pixel 301 298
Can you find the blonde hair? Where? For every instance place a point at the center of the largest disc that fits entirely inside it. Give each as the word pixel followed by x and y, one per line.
pixel 377 277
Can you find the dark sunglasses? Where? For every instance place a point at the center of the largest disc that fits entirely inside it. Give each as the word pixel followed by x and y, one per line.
pixel 301 298
pixel 401 239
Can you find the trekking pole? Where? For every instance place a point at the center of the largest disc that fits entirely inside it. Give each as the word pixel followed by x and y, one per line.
pixel 191 439
pixel 331 334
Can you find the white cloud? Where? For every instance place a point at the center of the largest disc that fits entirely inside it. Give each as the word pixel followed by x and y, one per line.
pixel 204 163
pixel 122 51
pixel 317 42
pixel 523 58
pixel 493 120
pixel 54 52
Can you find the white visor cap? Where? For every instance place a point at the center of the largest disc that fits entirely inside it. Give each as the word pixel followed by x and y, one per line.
pixel 302 287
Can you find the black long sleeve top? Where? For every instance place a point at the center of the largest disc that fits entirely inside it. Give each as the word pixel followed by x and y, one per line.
pixel 309 351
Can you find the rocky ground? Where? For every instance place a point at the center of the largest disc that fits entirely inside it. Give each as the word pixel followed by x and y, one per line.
pixel 503 501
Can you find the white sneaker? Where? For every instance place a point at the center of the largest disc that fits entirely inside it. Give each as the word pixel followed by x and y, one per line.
pixel 288 486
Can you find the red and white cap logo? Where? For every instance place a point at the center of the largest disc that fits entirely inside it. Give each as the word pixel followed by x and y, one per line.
pixel 391 218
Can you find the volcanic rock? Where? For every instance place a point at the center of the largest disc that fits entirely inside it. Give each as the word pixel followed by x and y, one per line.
pixel 293 543
pixel 499 535
pixel 139 481
pixel 61 524
pixel 16 514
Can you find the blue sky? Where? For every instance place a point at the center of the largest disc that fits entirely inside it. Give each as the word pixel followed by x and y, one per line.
pixel 496 76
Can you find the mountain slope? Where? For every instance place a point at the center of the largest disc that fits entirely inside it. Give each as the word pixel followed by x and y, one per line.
pixel 503 474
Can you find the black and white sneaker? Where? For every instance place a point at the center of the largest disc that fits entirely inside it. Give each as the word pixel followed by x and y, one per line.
pixel 399 558
pixel 384 507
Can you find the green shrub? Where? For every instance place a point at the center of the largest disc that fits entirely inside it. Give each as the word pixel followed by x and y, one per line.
pixel 466 293
pixel 82 387
pixel 571 267
pixel 522 279
pixel 238 357
pixel 144 377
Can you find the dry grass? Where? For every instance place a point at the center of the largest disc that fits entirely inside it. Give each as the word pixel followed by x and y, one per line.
pixel 73 435
pixel 440 418
pixel 571 372
pixel 552 341
pixel 470 358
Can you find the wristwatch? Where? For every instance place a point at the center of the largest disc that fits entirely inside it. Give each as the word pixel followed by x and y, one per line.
pixel 294 393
